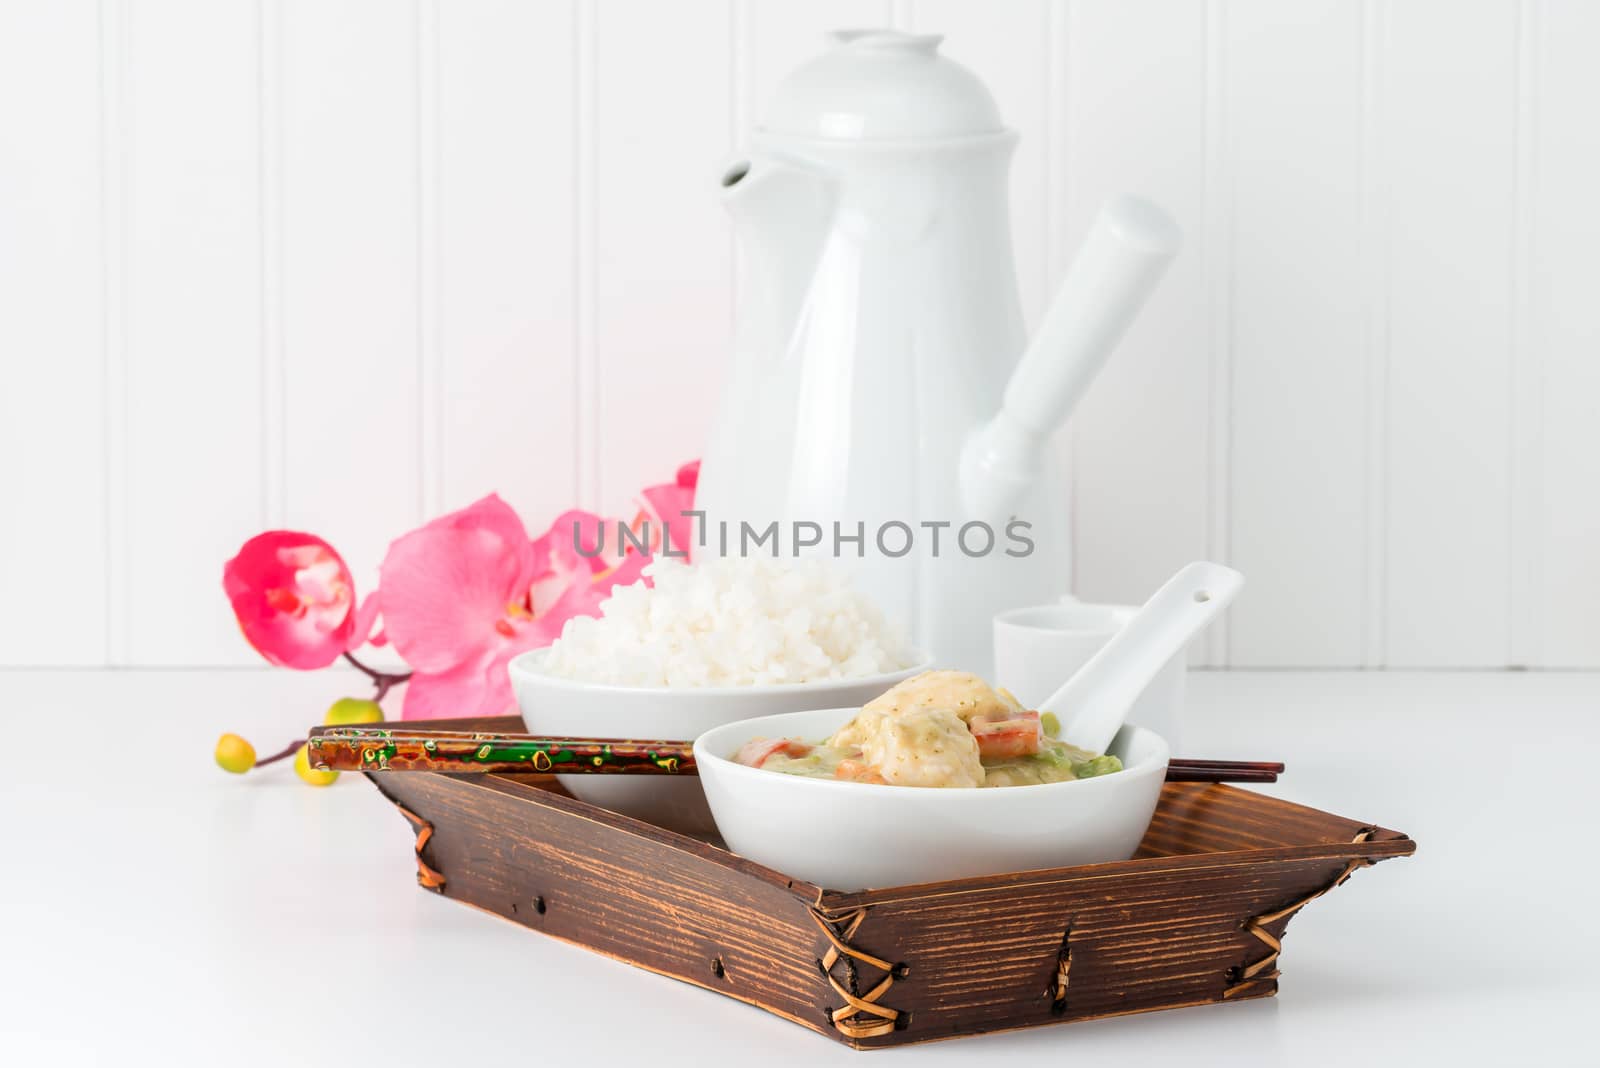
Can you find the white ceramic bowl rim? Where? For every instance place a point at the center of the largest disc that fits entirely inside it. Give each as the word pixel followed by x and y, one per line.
pixel 528 664
pixel 703 754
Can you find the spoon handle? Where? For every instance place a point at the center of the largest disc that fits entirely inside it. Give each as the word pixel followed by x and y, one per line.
pixel 464 752
pixel 1094 702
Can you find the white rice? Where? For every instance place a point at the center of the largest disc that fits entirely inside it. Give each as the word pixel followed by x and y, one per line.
pixel 733 622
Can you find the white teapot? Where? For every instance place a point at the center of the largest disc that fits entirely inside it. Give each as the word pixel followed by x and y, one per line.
pixel 879 407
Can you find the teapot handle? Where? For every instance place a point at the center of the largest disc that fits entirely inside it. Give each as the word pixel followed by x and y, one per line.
pixel 1128 249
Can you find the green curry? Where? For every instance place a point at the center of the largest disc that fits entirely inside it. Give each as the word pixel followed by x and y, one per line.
pixel 941 729
pixel 1054 762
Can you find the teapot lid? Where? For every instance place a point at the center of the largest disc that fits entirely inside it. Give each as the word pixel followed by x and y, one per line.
pixel 882 85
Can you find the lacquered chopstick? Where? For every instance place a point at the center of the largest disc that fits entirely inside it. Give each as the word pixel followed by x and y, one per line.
pixel 478 752
pixel 1272 766
pixel 467 752
pixel 1176 772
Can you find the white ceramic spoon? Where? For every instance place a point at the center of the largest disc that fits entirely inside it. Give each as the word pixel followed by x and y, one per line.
pixel 1094 702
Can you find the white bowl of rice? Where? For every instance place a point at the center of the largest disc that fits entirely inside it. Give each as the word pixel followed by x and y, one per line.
pixel 709 644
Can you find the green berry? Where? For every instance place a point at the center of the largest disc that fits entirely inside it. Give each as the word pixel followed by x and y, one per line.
pixel 235 754
pixel 350 711
pixel 303 768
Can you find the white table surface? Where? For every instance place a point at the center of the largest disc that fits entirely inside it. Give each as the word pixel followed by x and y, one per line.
pixel 159 911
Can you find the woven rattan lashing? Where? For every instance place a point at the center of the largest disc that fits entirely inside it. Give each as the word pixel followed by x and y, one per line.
pixel 862 1015
pixel 1262 970
pixel 1058 998
pixel 427 878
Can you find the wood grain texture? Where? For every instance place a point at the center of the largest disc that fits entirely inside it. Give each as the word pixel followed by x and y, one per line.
pixel 968 956
pixel 621 888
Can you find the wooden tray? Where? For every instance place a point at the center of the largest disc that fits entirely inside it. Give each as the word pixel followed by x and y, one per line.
pixel 1196 917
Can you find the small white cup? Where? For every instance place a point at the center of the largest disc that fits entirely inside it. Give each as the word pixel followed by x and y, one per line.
pixel 1037 649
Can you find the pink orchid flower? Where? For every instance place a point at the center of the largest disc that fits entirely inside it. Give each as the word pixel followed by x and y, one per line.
pixel 295 600
pixel 455 606
pixel 662 513
pixel 571 583
pixel 469 591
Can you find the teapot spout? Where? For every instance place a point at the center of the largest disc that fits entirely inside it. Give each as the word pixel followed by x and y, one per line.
pixel 781 207
pixel 1127 251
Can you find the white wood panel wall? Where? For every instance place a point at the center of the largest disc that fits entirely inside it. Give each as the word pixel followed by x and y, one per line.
pixel 344 264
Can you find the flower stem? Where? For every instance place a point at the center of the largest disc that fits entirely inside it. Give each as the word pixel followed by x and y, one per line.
pixel 382 680
pixel 290 751
pixel 371 673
